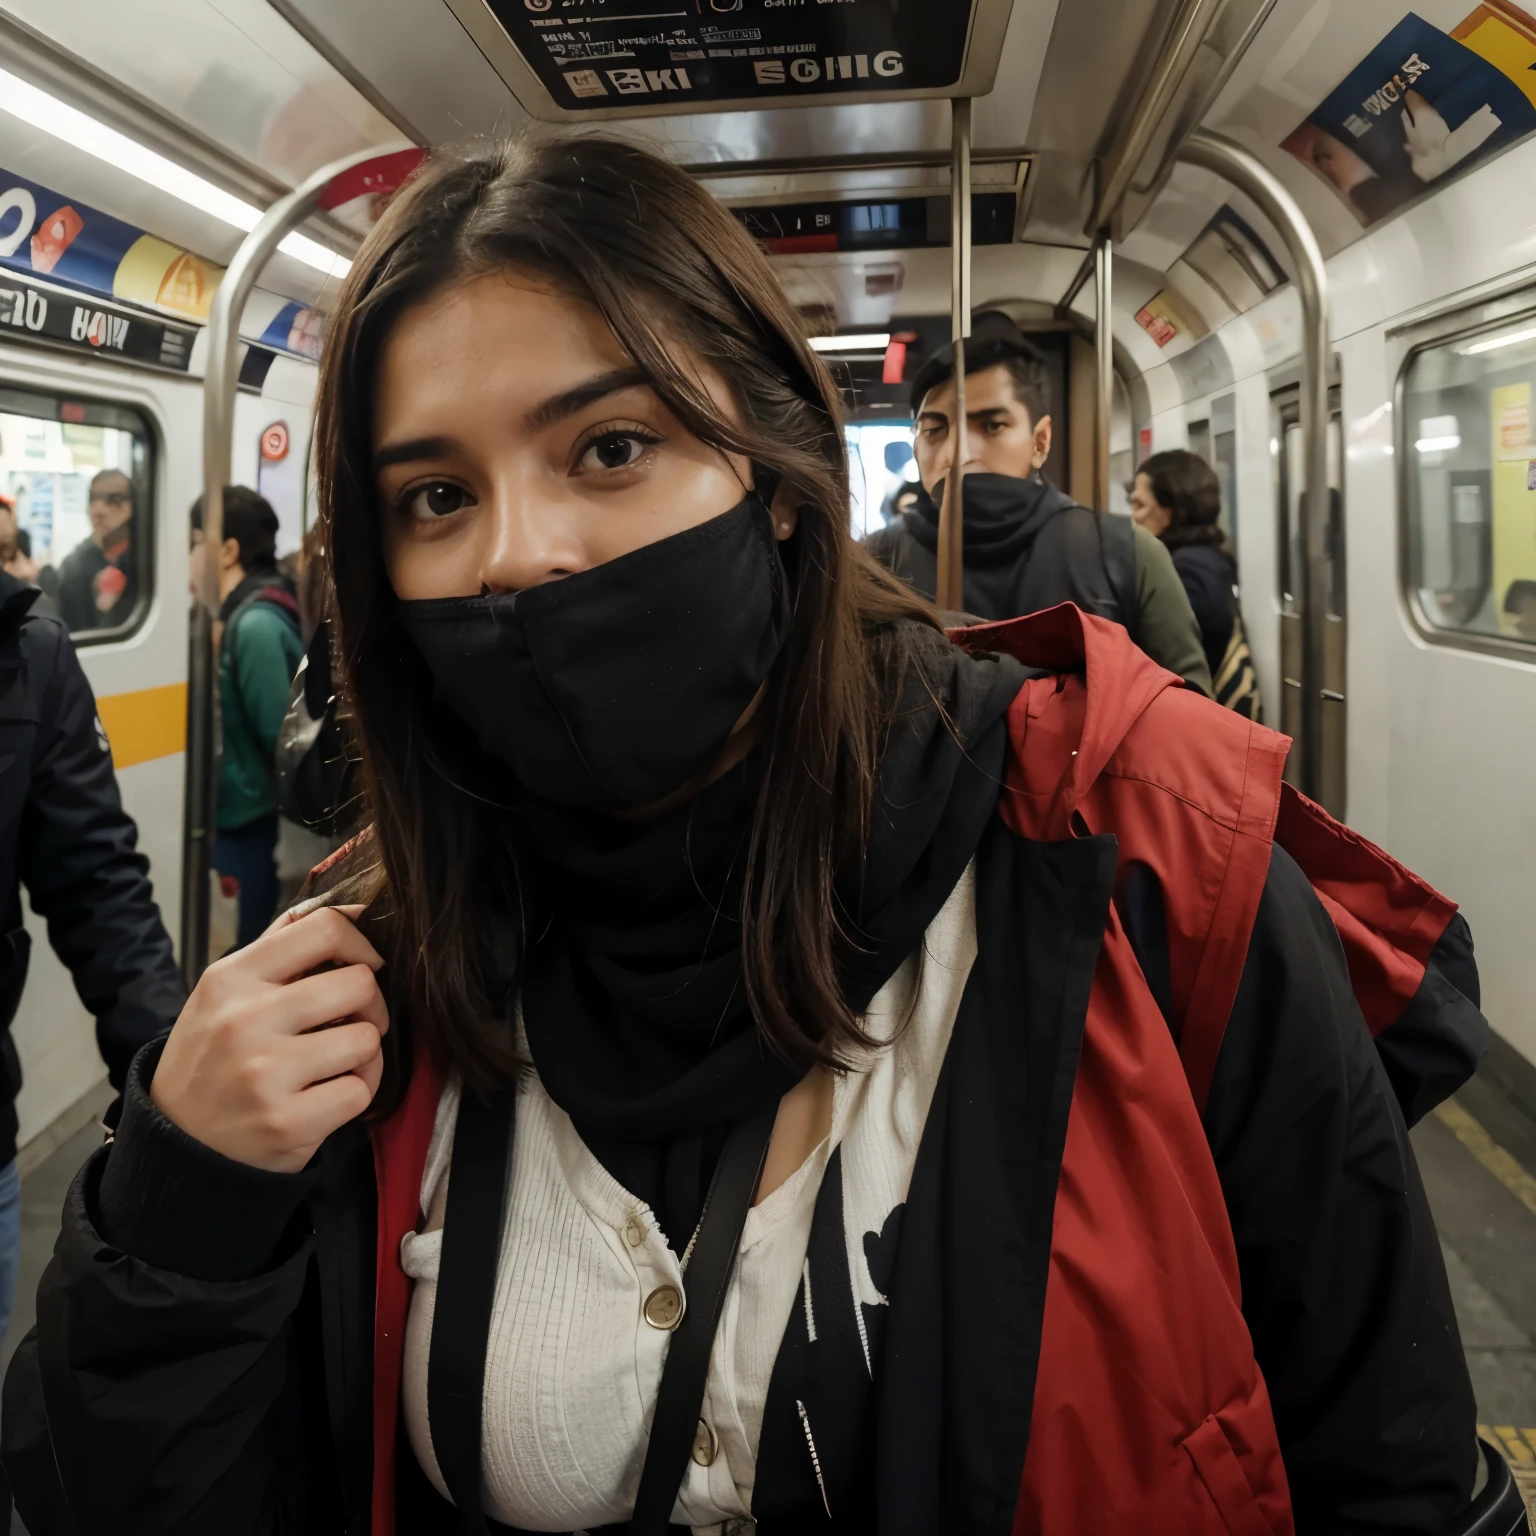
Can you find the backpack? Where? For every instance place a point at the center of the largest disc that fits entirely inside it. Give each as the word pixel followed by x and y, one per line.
pixel 312 763
pixel 1236 682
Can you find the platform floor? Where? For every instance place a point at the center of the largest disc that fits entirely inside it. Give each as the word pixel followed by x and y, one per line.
pixel 1478 1157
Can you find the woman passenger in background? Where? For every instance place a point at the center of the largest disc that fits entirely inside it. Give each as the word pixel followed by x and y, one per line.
pixel 1177 497
pixel 766 1062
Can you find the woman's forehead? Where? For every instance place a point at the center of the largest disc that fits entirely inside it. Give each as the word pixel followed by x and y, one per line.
pixel 504 339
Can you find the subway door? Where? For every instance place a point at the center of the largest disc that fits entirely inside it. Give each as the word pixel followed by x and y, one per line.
pixel 60 423
pixel 1290 479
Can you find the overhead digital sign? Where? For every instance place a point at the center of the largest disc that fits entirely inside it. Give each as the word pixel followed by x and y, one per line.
pixel 606 54
pixel 900 224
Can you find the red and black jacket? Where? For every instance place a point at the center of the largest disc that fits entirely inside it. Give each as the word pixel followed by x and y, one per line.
pixel 1201 1018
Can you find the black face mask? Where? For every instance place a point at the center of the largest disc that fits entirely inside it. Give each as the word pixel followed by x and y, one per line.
pixel 612 688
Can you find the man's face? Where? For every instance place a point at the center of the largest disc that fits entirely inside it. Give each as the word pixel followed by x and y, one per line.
pixel 111 504
pixel 1000 440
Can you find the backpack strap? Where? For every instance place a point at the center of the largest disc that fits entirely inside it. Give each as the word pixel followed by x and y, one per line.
pixel 1117 545
pixel 274 597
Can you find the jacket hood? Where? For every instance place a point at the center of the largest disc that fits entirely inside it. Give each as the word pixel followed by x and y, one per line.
pixel 1122 681
pixel 1003 516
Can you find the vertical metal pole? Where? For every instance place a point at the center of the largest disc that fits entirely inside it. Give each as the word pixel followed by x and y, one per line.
pixel 1231 161
pixel 951 575
pixel 1104 348
pixel 220 386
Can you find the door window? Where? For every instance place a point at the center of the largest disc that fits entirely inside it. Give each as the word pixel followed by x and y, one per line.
pixel 1469 448
pixel 80 477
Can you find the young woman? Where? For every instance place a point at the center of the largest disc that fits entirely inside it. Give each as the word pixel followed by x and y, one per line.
pixel 1177 498
pixel 765 1063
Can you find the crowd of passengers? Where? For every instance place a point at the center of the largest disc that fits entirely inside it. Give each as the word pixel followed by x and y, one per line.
pixel 774 1058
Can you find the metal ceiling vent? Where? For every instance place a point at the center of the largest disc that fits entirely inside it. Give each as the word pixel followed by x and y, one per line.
pixel 572 59
pixel 1193 45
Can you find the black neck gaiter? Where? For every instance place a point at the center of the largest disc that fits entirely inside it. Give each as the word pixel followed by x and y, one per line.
pixel 631 985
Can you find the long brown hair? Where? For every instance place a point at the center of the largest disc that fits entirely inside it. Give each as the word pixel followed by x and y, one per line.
pixel 678 280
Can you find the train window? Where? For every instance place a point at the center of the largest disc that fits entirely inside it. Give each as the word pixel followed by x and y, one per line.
pixel 1470 471
pixel 80 473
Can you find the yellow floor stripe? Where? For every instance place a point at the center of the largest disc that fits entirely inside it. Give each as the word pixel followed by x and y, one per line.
pixel 1470 1133
pixel 146 724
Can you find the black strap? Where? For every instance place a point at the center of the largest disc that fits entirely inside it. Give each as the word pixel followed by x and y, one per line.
pixel 466 1288
pixel 1117 543
pixel 709 1276
pixel 478 1179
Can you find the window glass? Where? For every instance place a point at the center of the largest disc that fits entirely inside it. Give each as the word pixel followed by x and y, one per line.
pixel 80 476
pixel 1471 463
pixel 880 466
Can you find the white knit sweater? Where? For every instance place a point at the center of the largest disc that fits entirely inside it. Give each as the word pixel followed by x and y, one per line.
pixel 573 1367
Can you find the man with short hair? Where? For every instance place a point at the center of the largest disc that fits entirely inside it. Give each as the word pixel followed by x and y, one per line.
pixel 98 584
pixel 259 651
pixel 1027 545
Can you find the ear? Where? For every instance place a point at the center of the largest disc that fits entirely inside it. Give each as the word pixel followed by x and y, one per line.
pixel 785 513
pixel 1043 431
pixel 229 554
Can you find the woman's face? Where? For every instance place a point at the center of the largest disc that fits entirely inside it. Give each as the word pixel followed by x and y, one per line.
pixel 515 442
pixel 1146 509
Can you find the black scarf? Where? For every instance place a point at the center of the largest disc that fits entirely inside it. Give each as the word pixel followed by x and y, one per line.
pixel 632 993
pixel 1003 518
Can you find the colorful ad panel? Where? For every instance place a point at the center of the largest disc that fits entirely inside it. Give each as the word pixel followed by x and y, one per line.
pixel 1422 105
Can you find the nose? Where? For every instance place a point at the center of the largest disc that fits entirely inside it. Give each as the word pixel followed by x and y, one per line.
pixel 529 539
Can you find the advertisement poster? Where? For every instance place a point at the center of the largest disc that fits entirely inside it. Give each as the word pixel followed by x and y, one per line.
pixel 1163 319
pixel 605 53
pixel 46 235
pixel 1421 105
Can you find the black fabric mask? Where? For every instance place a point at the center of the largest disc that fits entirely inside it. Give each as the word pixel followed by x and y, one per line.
pixel 612 688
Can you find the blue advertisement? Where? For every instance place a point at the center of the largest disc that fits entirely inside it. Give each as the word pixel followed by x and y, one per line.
pixel 1418 107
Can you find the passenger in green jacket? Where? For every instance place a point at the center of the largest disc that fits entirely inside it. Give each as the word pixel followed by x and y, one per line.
pixel 259 652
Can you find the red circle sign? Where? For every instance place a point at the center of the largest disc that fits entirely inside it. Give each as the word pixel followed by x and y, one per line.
pixel 274 441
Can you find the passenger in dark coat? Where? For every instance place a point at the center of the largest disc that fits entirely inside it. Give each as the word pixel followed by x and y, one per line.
pixel 65 836
pixel 98 581
pixel 1177 498
pixel 1028 545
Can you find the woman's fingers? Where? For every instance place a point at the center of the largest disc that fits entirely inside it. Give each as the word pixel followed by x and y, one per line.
pixel 294 949
pixel 316 1112
pixel 314 1001
pixel 329 1053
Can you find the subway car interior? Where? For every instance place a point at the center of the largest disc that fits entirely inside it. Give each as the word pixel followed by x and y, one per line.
pixel 1292 237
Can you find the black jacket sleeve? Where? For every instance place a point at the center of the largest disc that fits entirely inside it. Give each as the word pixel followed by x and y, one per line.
pixel 80 863
pixel 1344 1286
pixel 164 1390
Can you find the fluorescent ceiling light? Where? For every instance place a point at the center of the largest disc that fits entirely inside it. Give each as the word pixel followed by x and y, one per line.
pixel 1494 343
pixel 874 341
pixel 40 110
pixel 1437 444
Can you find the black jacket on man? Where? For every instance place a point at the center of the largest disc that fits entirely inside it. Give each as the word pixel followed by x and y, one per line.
pixel 65 836
pixel 1029 546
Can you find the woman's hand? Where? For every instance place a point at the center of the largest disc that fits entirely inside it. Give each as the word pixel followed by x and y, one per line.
pixel 280 1043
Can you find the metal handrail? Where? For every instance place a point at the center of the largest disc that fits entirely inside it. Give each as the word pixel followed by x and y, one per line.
pixel 1213 152
pixel 220 388
pixel 1104 357
pixel 950 586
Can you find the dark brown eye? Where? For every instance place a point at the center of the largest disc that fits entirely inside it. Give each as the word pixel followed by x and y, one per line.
pixel 615 450
pixel 439 499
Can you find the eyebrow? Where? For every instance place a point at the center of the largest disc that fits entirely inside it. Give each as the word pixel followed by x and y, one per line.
pixel 555 409
pixel 589 392
pixel 986 410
